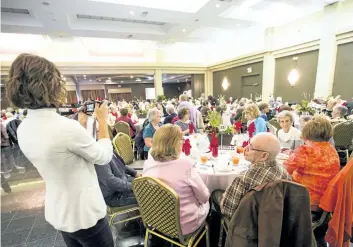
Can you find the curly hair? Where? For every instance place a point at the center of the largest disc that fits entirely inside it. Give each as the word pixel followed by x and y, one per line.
pixel 252 110
pixel 34 82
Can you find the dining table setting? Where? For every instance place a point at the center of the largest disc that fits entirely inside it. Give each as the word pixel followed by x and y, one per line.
pixel 217 171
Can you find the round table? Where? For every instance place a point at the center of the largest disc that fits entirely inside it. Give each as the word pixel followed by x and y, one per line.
pixel 213 173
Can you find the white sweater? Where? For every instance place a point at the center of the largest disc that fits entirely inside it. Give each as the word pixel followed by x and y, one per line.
pixel 64 154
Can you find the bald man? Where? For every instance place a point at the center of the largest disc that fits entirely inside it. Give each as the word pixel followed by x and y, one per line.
pixel 261 152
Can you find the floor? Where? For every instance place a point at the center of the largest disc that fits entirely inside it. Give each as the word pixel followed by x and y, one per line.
pixel 22 211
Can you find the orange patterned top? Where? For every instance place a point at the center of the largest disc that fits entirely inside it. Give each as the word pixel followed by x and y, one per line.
pixel 313 165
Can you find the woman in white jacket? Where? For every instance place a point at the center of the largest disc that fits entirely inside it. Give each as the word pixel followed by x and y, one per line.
pixel 63 152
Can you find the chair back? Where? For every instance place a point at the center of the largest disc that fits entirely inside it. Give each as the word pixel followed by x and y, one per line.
pixel 123 146
pixel 159 206
pixel 275 123
pixel 111 136
pixel 272 129
pixel 343 134
pixel 122 127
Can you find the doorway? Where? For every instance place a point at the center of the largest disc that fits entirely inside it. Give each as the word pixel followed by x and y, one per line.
pixel 251 86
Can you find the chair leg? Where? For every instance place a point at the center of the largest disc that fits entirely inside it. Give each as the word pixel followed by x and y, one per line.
pixel 146 238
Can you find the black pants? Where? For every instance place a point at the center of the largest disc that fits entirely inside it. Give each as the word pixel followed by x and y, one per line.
pixel 98 235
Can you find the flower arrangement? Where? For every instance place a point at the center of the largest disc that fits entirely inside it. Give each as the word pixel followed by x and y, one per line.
pixel 161 97
pixel 304 107
pixel 215 124
pixel 140 112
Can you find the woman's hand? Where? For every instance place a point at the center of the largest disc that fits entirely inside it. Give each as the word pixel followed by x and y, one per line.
pixel 101 111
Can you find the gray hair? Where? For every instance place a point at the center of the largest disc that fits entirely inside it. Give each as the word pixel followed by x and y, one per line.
pixel 170 108
pixel 152 114
pixel 342 110
pixel 283 114
pixel 305 118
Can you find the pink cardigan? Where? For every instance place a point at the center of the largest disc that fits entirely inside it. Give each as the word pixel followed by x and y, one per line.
pixel 193 194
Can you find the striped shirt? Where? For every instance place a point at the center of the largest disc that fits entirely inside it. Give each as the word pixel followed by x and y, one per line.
pixel 257 174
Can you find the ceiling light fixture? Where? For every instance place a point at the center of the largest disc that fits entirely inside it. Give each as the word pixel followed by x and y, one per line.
pixel 217 5
pixel 84 75
pixel 131 76
pixel 122 81
pixel 90 80
pixel 108 78
pixel 184 30
pixel 132 12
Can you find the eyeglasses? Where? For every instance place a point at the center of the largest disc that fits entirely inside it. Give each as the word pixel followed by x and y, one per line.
pixel 250 148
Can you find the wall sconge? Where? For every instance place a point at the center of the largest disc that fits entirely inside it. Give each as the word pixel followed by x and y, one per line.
pixel 225 83
pixel 293 77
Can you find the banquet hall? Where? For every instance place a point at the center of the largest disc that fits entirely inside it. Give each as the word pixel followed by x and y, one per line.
pixel 185 123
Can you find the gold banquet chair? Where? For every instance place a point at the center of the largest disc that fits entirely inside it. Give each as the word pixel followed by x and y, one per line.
pixel 160 211
pixel 113 212
pixel 122 145
pixel 275 124
pixel 343 136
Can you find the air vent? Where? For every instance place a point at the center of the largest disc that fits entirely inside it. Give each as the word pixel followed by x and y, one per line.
pixel 94 17
pixel 15 11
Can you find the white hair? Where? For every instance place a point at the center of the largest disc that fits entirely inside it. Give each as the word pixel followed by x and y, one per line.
pixel 283 114
pixel 170 108
pixel 152 114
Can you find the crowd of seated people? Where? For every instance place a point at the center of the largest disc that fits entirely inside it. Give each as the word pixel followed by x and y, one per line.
pixel 312 159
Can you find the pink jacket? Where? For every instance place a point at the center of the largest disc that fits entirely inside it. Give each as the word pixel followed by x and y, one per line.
pixel 193 194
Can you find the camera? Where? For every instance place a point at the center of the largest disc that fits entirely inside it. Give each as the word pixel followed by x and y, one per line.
pixel 89 106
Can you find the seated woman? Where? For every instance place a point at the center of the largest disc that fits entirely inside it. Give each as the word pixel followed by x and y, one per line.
pixel 256 124
pixel 154 118
pixel 126 119
pixel 288 136
pixel 178 172
pixel 315 163
pixel 264 109
pixel 171 114
pixel 184 121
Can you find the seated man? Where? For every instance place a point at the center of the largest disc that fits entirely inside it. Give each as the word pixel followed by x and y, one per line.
pixel 338 114
pixel 115 182
pixel 261 152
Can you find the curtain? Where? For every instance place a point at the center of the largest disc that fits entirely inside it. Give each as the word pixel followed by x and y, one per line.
pixel 93 94
pixel 114 97
pixel 71 97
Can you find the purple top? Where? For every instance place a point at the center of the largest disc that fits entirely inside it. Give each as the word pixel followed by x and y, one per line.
pixel 193 194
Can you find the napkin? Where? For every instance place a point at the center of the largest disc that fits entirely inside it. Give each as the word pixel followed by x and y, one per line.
pixel 186 147
pixel 214 145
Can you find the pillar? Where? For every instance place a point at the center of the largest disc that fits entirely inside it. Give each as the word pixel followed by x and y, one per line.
pixel 269 64
pixel 158 82
pixel 208 83
pixel 327 53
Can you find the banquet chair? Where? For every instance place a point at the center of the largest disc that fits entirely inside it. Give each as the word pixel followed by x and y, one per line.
pixel 275 124
pixel 113 212
pixel 343 136
pixel 122 145
pixel 122 127
pixel 160 211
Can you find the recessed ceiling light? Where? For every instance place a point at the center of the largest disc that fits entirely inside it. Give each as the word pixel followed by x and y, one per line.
pixel 108 78
pixel 122 81
pixel 217 5
pixel 90 80
pixel 131 76
pixel 184 30
pixel 132 12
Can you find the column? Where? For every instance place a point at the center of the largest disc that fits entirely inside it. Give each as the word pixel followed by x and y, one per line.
pixel 327 53
pixel 158 82
pixel 208 83
pixel 269 64
pixel 78 92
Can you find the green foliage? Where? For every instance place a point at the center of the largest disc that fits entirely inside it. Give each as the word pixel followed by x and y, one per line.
pixel 161 97
pixel 214 119
pixel 141 112
pixel 304 107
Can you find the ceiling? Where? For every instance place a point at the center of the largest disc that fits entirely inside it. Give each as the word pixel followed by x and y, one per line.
pixel 166 21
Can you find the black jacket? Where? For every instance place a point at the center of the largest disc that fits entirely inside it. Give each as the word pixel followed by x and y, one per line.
pixel 168 119
pixel 11 129
pixel 114 177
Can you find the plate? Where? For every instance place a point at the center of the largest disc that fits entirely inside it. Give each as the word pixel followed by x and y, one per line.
pixel 228 169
